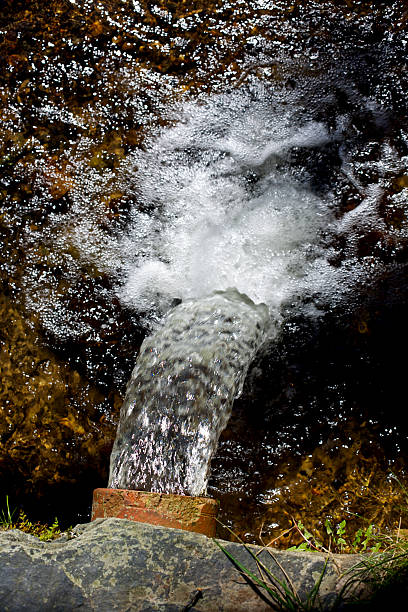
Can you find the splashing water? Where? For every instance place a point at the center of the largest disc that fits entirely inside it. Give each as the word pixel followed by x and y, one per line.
pixel 224 216
pixel 225 213
pixel 181 391
pixel 218 203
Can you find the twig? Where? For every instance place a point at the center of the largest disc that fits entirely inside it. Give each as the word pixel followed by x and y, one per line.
pixel 282 569
pixel 280 536
pixel 195 597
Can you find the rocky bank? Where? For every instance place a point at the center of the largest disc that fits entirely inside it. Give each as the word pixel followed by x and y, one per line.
pixel 114 564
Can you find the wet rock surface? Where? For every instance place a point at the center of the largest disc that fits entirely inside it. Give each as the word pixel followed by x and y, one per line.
pixel 114 564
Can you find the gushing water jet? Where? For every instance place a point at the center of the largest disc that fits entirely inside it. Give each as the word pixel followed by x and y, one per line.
pixel 178 401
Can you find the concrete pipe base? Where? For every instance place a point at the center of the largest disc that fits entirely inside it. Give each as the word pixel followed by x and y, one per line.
pixel 196 514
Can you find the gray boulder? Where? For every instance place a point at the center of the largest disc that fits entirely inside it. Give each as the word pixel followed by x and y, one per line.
pixel 114 564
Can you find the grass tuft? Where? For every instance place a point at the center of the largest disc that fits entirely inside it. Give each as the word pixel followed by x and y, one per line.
pixel 42 531
pixel 377 579
pixel 280 593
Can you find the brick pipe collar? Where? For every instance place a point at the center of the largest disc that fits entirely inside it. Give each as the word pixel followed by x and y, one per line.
pixel 196 514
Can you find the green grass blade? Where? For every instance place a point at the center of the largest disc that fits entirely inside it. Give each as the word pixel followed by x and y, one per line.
pixel 272 592
pixel 290 594
pixel 6 517
pixel 311 598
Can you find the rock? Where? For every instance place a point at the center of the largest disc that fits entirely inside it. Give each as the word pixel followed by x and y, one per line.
pixel 119 565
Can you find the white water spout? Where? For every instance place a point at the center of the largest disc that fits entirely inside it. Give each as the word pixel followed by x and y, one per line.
pixel 181 392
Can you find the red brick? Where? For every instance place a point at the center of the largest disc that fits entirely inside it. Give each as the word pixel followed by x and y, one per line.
pixel 180 511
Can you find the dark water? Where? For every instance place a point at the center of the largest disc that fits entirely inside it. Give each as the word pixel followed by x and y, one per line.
pixel 84 86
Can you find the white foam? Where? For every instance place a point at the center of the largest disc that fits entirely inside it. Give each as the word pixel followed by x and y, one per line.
pixel 217 205
pixel 213 227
